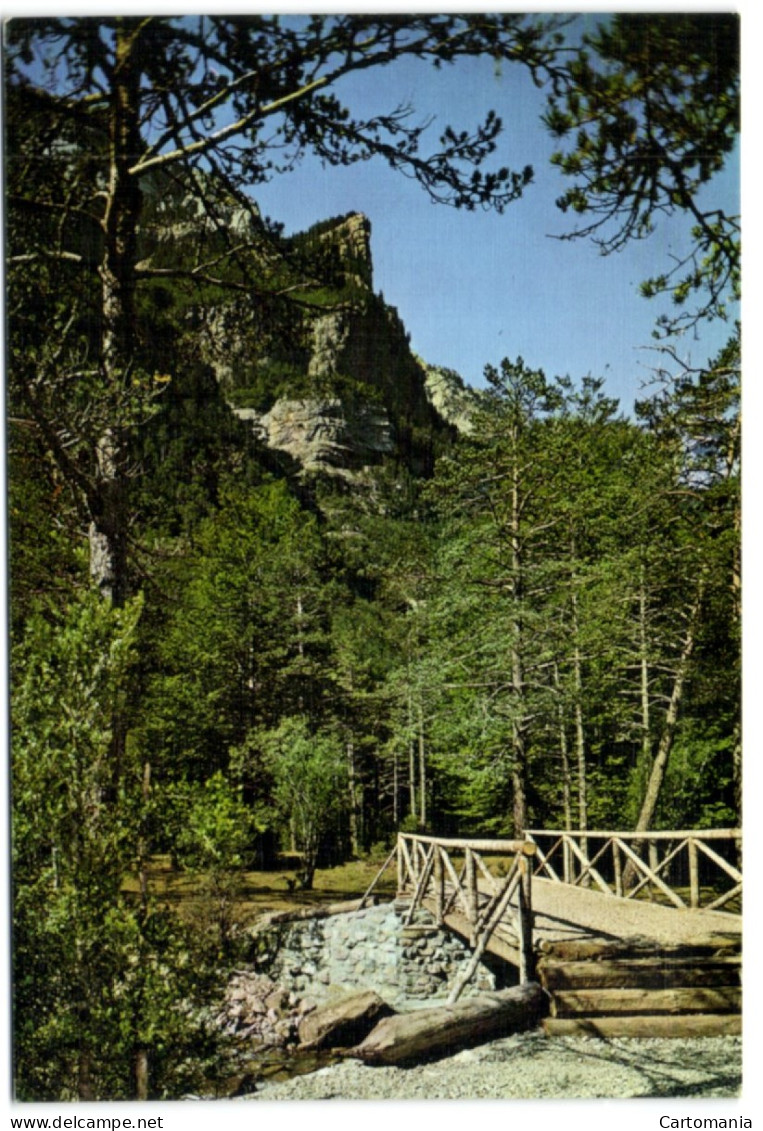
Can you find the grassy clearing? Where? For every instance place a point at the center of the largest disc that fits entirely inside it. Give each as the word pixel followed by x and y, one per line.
pixel 259 892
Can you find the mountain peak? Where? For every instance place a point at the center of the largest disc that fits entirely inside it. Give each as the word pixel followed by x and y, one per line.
pixel 349 236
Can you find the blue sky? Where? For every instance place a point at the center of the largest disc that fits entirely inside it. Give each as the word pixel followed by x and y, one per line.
pixel 473 288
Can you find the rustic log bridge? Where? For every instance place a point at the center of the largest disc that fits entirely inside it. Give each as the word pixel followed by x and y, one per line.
pixel 658 972
pixel 427 1033
pixel 472 892
pixel 661 956
pixel 647 1025
pixel 681 1000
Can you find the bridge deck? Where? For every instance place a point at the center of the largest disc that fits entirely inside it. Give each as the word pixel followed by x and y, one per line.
pixel 565 914
pixel 571 921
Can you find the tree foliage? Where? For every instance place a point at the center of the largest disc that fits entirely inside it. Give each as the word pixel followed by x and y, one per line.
pixel 647 114
pixel 98 980
pixel 309 776
pixel 215 104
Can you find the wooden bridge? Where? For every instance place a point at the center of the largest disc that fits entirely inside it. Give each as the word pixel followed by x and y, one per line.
pixel 635 934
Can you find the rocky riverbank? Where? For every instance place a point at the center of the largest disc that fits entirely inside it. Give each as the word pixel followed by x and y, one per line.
pixel 533 1066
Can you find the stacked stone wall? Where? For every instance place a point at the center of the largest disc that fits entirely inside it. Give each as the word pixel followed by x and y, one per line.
pixel 369 949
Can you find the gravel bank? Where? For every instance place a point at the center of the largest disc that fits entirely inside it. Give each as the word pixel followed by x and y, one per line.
pixel 533 1066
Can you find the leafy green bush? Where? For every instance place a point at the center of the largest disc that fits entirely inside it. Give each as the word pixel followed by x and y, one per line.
pixel 309 785
pixel 215 843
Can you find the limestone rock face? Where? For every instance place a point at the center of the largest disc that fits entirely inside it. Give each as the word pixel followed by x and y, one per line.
pixel 325 375
pixel 455 401
pixel 331 335
pixel 326 434
pixel 376 403
pixel 342 391
pixel 352 237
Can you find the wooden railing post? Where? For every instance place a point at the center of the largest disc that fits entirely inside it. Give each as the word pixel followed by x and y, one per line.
pixel 642 864
pixel 439 886
pixel 618 868
pixel 472 902
pixel 519 881
pixel 525 903
pixel 653 854
pixel 693 873
pixel 409 872
pixel 421 885
pixel 566 862
pixel 422 854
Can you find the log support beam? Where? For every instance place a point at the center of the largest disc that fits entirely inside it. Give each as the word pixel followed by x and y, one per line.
pixel 427 1033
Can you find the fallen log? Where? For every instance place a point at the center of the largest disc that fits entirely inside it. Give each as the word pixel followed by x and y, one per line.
pixel 426 1033
pixel 344 1022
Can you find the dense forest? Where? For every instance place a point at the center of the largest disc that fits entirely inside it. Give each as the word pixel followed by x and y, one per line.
pixel 217 654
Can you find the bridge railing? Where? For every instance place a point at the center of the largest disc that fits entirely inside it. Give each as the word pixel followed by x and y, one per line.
pixel 453 875
pixel 687 869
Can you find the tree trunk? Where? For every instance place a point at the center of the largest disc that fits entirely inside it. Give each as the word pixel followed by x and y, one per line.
pixel 109 499
pixel 141 1074
pixel 580 742
pixel 85 1091
pixel 108 528
pixel 425 1033
pixel 564 754
pixel 518 776
pixel 310 849
pixel 412 808
pixel 659 765
pixel 143 841
pixel 566 777
pixel 395 801
pixel 519 755
pixel 352 788
pixel 306 875
pixel 646 728
pixel 422 770
pixel 736 760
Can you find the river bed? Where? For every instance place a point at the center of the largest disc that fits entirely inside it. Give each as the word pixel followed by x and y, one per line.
pixel 534 1066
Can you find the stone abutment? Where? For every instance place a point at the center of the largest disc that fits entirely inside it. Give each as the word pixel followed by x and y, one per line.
pixel 371 949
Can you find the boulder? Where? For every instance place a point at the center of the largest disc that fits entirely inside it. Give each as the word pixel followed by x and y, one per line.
pixel 343 1023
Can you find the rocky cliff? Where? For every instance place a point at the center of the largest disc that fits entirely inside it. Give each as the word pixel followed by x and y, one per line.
pixel 455 401
pixel 343 391
pixel 332 434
